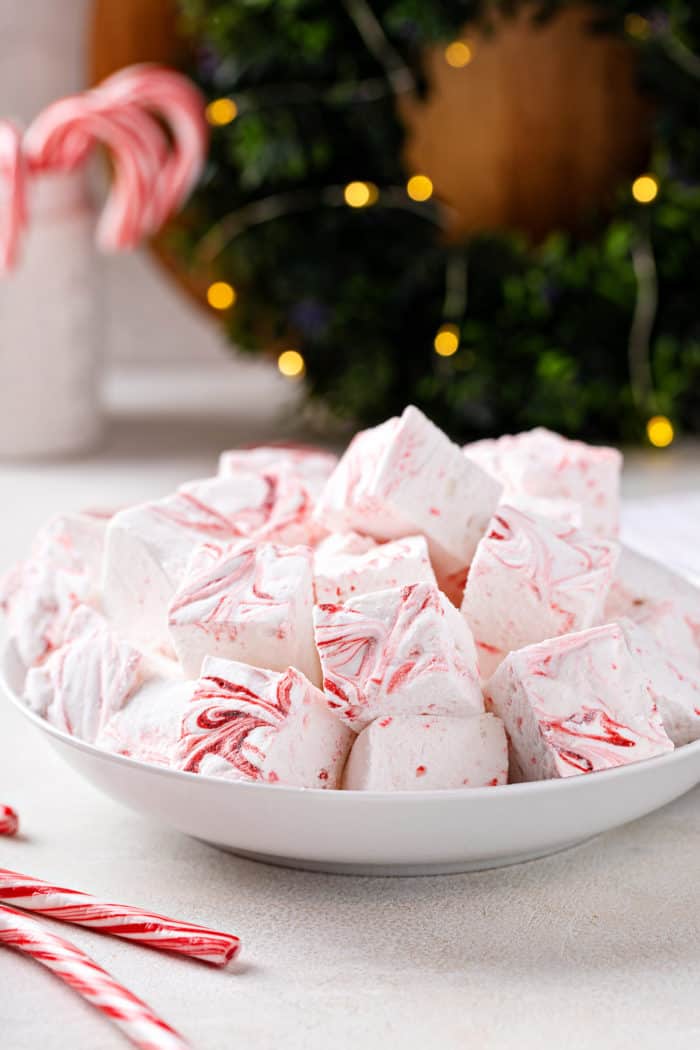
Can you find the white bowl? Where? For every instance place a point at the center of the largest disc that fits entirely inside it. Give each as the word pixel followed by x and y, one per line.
pixel 377 833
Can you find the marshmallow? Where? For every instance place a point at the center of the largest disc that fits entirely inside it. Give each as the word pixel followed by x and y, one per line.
pixel 674 683
pixel 533 579
pixel 245 723
pixel 339 575
pixel 252 603
pixel 63 571
pixel 80 686
pixel 576 704
pixel 414 753
pixel 664 603
pixel 312 465
pixel 147 728
pixel 401 651
pixel 540 465
pixel 406 477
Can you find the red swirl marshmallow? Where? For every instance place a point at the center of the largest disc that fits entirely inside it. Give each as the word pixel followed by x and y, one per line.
pixel 415 753
pixel 401 651
pixel 576 704
pixel 252 603
pixel 533 579
pixel 147 727
pixel 92 675
pixel 406 477
pixel 545 473
pixel 308 464
pixel 340 573
pixel 246 723
pixel 62 572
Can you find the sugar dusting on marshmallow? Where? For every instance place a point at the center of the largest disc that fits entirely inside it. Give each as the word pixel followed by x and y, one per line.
pixel 147 728
pixel 576 704
pixel 533 579
pixel 339 574
pixel 401 651
pixel 419 753
pixel 245 723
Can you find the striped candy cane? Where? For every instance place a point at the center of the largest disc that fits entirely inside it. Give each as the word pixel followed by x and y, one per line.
pixel 9 821
pixel 13 204
pixel 153 931
pixel 136 1020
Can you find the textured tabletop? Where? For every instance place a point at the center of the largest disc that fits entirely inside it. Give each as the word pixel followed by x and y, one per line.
pixel 595 948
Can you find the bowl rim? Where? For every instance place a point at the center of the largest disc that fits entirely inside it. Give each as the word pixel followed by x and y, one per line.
pixel 532 789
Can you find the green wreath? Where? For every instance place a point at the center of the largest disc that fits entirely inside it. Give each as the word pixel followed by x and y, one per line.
pixel 592 336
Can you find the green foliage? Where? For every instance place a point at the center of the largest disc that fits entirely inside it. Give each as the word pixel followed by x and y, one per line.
pixel 545 331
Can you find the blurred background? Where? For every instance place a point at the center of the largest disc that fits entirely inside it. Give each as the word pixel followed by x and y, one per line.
pixel 489 209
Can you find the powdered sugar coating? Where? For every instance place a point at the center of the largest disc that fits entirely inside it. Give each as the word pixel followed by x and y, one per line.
pixel 311 465
pixel 533 579
pixel 539 465
pixel 400 651
pixel 92 675
pixel 406 477
pixel 415 753
pixel 339 575
pixel 246 723
pixel 147 728
pixel 251 602
pixel 576 704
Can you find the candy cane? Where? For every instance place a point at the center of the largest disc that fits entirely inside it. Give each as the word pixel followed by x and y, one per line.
pixel 13 206
pixel 154 931
pixel 173 98
pixel 9 821
pixel 136 1020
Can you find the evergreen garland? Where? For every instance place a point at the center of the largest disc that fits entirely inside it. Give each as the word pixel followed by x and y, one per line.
pixel 544 337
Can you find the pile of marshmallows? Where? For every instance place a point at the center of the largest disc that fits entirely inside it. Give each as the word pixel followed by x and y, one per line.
pixel 412 616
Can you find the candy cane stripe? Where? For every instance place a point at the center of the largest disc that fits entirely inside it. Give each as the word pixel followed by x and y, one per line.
pixel 9 821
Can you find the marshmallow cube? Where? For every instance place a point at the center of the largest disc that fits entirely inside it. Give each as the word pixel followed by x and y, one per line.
pixel 576 704
pixel 533 579
pixel 311 465
pixel 246 723
pixel 402 651
pixel 415 753
pixel 40 595
pixel 539 465
pixel 406 477
pixel 81 685
pixel 674 683
pixel 338 576
pixel 147 728
pixel 253 604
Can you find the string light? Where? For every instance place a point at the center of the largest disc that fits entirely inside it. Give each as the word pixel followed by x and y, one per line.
pixel 419 188
pixel 221 111
pixel 637 26
pixel 645 189
pixel 660 431
pixel 446 341
pixel 221 295
pixel 458 54
pixel 291 364
pixel 360 194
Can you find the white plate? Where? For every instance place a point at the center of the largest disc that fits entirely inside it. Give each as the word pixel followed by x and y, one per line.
pixel 362 832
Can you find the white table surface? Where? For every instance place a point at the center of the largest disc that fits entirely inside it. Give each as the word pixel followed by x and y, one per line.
pixel 595 948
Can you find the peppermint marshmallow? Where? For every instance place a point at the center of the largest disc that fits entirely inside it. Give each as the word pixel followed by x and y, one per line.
pixel 312 465
pixel 339 575
pixel 62 572
pixel 251 603
pixel 576 704
pixel 415 753
pixel 245 723
pixel 533 579
pixel 401 651
pixel 406 477
pixel 147 728
pixel 92 675
pixel 659 600
pixel 674 683
pixel 538 465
